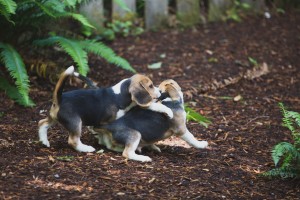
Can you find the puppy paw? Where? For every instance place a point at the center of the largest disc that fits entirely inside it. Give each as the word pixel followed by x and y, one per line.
pixel 140 158
pixel 202 144
pixel 145 159
pixel 85 148
pixel 45 142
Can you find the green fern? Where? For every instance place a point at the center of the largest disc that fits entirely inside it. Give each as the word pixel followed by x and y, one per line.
pixel 107 53
pixel 32 18
pixel 7 8
pixel 13 93
pixel 195 116
pixel 78 51
pixel 286 156
pixel 72 47
pixel 14 63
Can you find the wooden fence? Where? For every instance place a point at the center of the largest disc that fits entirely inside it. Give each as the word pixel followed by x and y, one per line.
pixel 157 12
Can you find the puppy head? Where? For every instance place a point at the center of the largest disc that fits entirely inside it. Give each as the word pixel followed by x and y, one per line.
pixel 142 90
pixel 172 88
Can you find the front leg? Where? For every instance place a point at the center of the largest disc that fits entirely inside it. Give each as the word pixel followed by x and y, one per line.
pixel 158 107
pixel 191 140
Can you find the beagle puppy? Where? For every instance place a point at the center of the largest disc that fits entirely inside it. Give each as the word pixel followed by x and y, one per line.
pixel 140 128
pixel 95 107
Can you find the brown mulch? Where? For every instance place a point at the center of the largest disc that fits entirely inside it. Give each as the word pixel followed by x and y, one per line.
pixel 241 136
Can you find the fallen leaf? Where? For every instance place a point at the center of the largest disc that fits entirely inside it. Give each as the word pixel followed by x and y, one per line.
pixel 51 159
pixel 155 65
pixel 151 180
pixel 237 98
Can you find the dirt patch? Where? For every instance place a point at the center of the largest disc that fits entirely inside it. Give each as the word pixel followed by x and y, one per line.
pixel 241 136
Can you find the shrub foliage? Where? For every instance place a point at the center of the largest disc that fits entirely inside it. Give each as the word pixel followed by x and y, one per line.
pixel 286 156
pixel 27 22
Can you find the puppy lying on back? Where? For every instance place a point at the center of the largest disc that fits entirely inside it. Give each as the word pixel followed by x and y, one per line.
pixel 95 107
pixel 142 128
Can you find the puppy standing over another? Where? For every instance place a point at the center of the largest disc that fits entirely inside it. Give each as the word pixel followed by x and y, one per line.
pixel 142 128
pixel 95 107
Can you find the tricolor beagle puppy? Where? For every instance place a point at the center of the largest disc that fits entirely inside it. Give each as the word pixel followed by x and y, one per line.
pixel 95 107
pixel 142 128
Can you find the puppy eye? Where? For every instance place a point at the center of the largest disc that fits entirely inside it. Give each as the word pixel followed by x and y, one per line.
pixel 150 86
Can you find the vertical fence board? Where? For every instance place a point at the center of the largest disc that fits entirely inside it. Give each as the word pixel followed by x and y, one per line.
pixel 256 6
pixel 120 13
pixel 156 13
pixel 217 9
pixel 188 12
pixel 93 10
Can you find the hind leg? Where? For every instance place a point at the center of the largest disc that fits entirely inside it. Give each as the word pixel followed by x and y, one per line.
pixel 44 125
pixel 132 143
pixel 74 137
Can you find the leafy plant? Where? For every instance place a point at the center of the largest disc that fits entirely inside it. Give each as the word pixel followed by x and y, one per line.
pixel 192 115
pixel 123 28
pixel 65 158
pixel 286 156
pixel 22 21
pixel 253 61
pixel 234 12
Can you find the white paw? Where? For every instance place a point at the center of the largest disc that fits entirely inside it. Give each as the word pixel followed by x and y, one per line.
pixel 145 159
pixel 202 144
pixel 169 113
pixel 84 148
pixel 45 142
pixel 140 158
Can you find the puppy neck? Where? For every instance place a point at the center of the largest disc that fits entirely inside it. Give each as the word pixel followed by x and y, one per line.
pixel 117 88
pixel 121 91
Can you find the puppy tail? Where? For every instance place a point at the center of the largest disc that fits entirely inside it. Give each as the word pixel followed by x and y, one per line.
pixel 60 85
pixel 89 82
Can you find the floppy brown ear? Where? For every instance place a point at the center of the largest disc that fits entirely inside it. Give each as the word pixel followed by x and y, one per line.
pixel 173 92
pixel 140 95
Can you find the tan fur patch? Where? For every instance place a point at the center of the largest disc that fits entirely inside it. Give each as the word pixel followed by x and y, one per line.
pixel 142 90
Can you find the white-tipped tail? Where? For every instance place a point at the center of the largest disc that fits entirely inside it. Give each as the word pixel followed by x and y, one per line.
pixel 76 74
pixel 70 70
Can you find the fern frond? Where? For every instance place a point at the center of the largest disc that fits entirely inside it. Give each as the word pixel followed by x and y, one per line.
pixel 13 93
pixel 287 172
pixel 80 18
pixel 71 47
pixel 107 53
pixel 195 116
pixel 14 64
pixel 53 8
pixel 10 6
pixel 284 148
pixel 295 116
pixel 286 119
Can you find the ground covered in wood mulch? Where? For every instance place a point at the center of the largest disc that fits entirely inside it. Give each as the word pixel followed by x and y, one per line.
pixel 210 63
